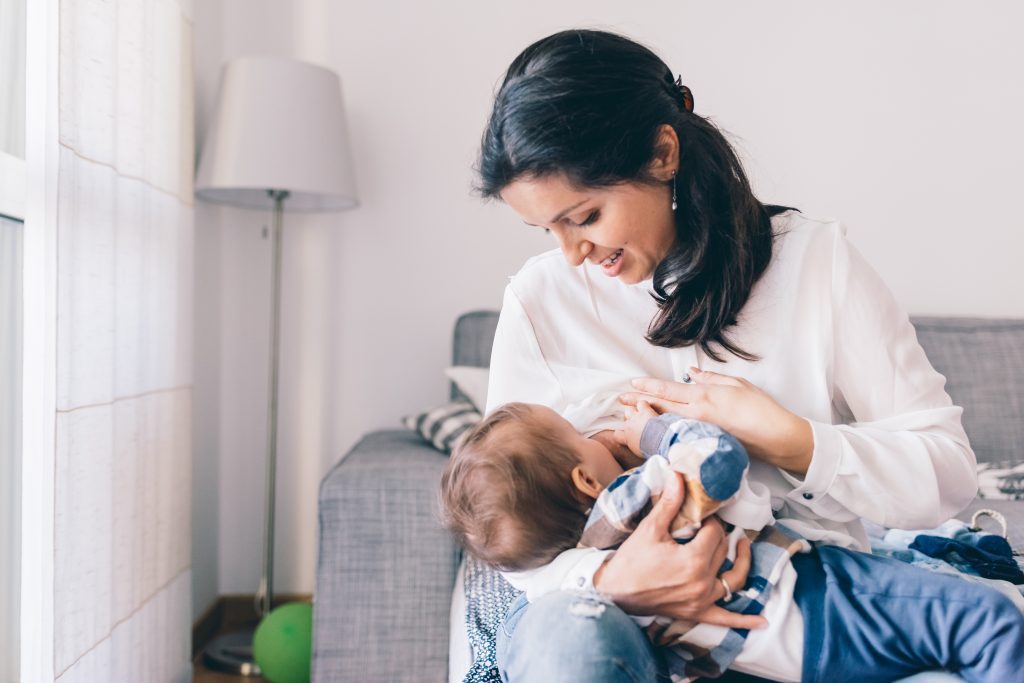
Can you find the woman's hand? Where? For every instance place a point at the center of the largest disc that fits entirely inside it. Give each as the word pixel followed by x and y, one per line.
pixel 768 431
pixel 652 574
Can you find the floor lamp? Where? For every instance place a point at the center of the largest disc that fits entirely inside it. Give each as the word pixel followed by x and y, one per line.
pixel 278 140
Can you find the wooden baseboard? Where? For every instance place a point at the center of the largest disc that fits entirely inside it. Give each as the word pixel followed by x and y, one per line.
pixel 206 627
pixel 233 612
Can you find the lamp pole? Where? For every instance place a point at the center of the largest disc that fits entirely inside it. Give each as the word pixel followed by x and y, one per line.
pixel 265 592
pixel 257 155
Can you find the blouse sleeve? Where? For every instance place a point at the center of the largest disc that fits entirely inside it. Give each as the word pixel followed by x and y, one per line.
pixel 519 371
pixel 904 460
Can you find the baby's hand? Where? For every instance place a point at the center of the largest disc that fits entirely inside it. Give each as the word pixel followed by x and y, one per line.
pixel 635 420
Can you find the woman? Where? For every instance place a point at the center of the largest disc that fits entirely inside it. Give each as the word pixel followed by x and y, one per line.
pixel 753 317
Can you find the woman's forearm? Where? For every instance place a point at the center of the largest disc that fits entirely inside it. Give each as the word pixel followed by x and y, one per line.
pixel 768 431
pixel 796 447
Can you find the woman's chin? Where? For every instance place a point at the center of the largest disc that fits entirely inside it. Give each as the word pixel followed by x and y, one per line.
pixel 631 277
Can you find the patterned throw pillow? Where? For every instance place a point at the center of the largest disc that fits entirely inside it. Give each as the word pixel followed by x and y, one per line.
pixel 443 426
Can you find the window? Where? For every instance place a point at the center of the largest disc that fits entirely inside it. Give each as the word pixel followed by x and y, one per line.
pixel 12 78
pixel 10 444
pixel 12 109
pixel 12 213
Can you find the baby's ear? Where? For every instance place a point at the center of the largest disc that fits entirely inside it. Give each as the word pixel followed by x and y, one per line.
pixel 585 483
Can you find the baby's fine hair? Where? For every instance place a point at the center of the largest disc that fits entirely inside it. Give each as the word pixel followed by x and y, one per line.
pixel 507 493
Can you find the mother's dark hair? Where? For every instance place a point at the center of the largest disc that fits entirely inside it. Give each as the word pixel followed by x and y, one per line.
pixel 588 105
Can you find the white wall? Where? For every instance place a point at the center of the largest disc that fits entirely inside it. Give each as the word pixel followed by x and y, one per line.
pixel 206 49
pixel 900 119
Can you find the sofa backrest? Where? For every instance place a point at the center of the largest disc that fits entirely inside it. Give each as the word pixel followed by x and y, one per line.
pixel 982 360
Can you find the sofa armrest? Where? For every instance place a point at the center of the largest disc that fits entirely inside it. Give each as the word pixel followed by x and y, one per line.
pixel 385 566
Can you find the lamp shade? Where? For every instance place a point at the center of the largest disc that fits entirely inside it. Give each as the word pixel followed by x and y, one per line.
pixel 279 125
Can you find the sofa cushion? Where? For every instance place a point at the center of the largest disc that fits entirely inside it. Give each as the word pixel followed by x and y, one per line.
pixel 983 362
pixel 471 343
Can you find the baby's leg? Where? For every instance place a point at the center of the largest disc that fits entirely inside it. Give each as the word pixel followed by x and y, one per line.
pixel 872 618
pixel 570 637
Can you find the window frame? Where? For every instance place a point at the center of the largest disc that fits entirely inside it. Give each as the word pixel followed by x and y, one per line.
pixel 39 338
pixel 13 184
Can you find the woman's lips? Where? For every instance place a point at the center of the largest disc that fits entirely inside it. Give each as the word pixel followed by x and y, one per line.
pixel 613 264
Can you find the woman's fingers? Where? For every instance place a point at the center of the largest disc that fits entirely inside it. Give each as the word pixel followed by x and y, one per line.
pixel 683 392
pixel 708 377
pixel 723 617
pixel 665 510
pixel 711 543
pixel 737 576
pixel 720 556
pixel 656 404
pixel 674 391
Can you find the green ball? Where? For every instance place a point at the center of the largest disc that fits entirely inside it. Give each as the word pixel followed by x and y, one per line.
pixel 282 643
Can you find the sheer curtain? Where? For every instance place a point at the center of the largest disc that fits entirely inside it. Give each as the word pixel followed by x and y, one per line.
pixel 12 77
pixel 12 143
pixel 10 444
pixel 122 579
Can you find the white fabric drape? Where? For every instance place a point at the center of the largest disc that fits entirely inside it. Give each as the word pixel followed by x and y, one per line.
pixel 10 440
pixel 124 367
pixel 12 78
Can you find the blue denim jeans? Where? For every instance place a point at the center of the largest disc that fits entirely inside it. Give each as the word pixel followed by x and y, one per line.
pixel 573 636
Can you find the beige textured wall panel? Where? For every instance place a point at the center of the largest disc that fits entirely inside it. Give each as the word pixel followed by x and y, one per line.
pixel 119 657
pixel 123 89
pixel 85 283
pixel 83 532
pixel 125 299
pixel 122 521
pixel 88 47
pixel 122 528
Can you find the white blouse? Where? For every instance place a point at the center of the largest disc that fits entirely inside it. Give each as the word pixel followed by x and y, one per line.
pixel 835 348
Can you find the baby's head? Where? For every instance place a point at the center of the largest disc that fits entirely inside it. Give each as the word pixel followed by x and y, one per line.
pixel 518 486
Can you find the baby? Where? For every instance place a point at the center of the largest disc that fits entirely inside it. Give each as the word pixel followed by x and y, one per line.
pixel 527 494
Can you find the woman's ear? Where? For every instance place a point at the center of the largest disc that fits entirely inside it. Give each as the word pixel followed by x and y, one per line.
pixel 585 483
pixel 666 153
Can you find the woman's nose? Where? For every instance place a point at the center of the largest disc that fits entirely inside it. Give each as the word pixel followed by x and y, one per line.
pixel 574 249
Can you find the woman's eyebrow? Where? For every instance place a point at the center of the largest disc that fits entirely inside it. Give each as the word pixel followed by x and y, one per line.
pixel 561 215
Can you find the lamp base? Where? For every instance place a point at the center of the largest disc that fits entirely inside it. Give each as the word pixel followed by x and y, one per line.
pixel 232 653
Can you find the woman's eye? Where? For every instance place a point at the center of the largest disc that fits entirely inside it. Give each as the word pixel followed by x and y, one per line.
pixel 590 219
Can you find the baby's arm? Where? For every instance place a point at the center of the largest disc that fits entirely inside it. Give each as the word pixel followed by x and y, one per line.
pixel 713 462
pixel 573 569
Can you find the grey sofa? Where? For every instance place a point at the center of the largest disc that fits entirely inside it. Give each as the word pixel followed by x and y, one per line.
pixel 386 569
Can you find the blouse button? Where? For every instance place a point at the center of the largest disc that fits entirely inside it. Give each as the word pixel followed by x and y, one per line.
pixel 580 581
pixel 808 496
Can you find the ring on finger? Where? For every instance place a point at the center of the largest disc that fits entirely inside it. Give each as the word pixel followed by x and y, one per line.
pixel 728 590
